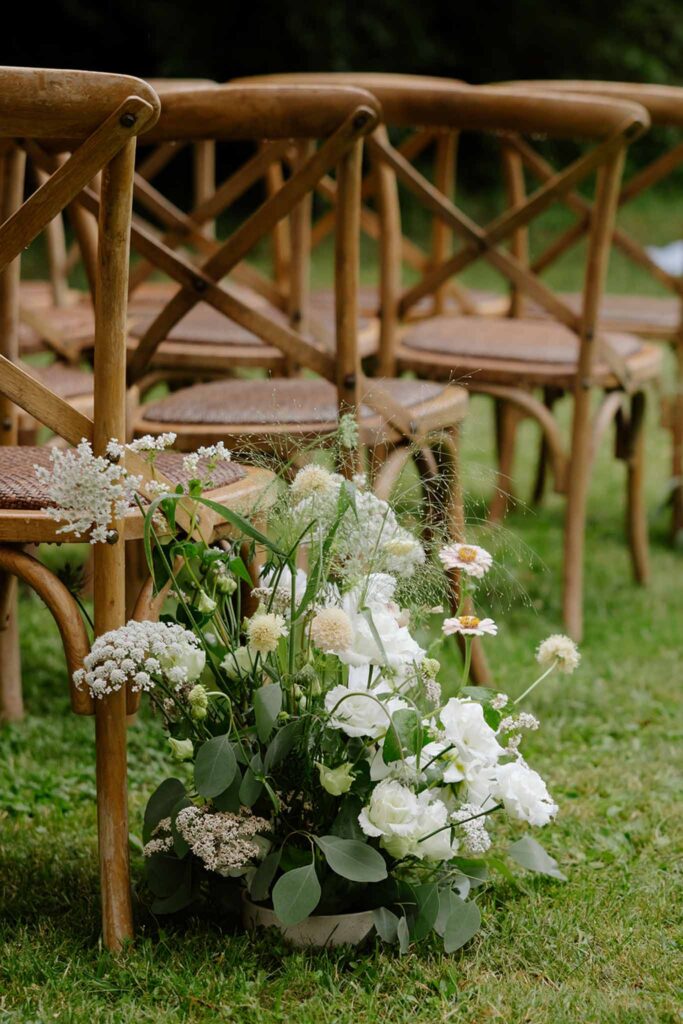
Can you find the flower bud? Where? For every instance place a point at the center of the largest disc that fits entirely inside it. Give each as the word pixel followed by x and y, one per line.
pixel 335 781
pixel 181 750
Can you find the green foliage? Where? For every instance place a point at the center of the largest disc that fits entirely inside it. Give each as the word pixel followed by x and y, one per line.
pixel 352 859
pixel 296 894
pixel 215 766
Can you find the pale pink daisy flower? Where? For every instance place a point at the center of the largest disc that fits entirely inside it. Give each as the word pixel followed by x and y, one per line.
pixel 468 558
pixel 469 625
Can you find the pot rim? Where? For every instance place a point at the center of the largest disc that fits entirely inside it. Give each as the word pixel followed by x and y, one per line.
pixel 312 917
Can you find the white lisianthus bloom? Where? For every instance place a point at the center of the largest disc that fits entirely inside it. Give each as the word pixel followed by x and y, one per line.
pixel 481 787
pixel 190 660
pixel 474 742
pixel 238 663
pixel 369 609
pixel 433 818
pixel 524 794
pixel 469 625
pixel 181 750
pixel 335 781
pixel 560 649
pixel 468 558
pixel 205 604
pixel 264 631
pixel 361 710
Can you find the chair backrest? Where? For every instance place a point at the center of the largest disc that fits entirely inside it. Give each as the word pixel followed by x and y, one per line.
pixel 319 132
pixel 93 119
pixel 439 106
pixel 664 104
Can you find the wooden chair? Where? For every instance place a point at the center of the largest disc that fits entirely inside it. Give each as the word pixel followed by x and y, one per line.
pixel 93 119
pixel 647 316
pixel 508 357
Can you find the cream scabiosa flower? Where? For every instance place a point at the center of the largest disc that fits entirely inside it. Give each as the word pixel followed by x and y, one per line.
pixel 331 630
pixel 264 631
pixel 560 649
pixel 469 625
pixel 468 558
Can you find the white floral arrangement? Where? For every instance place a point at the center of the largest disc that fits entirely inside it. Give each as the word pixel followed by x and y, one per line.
pixel 333 756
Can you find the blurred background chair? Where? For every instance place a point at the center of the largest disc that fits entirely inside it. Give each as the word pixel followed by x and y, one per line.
pixel 506 356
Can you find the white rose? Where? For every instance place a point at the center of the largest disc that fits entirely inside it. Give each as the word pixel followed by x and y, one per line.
pixel 473 740
pixel 524 794
pixel 481 786
pixel 392 813
pixel 357 710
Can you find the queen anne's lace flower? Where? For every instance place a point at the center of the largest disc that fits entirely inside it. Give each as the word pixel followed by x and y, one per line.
pixel 137 653
pixel 560 649
pixel 87 491
pixel 213 454
pixel 477 840
pixel 468 558
pixel 149 443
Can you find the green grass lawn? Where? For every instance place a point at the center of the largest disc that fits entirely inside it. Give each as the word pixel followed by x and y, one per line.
pixel 602 948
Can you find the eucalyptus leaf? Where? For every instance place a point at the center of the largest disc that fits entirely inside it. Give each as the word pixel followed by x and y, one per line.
pixel 403 935
pixel 386 924
pixel 180 897
pixel 463 923
pixel 229 799
pixel 215 766
pixel 164 873
pixel 160 804
pixel 404 736
pixel 427 900
pixel 345 825
pixel 180 845
pixel 530 855
pixel 267 706
pixel 281 744
pixel 352 859
pixel 252 784
pixel 264 875
pixel 296 894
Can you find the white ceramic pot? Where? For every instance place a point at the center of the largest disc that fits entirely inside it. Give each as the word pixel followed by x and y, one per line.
pixel 321 931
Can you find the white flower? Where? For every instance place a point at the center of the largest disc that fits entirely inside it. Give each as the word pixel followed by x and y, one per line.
pixel 335 781
pixel 238 663
pixel 561 650
pixel 368 607
pixel 282 599
pixel 331 630
pixel 149 443
pixel 468 558
pixel 499 701
pixel 181 750
pixel 481 784
pixel 87 491
pixel 361 710
pixel 135 653
pixel 205 604
pixel 393 811
pixel 474 742
pixel 524 794
pixel 405 822
pixel 469 625
pixel 477 839
pixel 264 631
pixel 314 480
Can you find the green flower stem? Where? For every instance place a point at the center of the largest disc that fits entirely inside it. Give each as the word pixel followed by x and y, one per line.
pixel 540 679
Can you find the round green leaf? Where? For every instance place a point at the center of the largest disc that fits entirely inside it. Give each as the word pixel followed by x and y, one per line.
pixel 161 803
pixel 215 766
pixel 463 923
pixel 296 894
pixel 353 859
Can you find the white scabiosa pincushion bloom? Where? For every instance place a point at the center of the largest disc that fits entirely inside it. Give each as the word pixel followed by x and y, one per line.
pixel 264 632
pixel 332 631
pixel 468 558
pixel 561 650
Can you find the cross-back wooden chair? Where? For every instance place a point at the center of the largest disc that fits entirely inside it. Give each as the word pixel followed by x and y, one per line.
pixel 507 357
pixel 653 317
pixel 93 119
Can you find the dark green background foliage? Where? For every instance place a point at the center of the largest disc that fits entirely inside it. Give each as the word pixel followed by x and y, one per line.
pixel 482 41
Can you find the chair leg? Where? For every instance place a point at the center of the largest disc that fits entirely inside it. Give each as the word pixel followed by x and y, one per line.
pixel 575 516
pixel 507 418
pixel 11 698
pixel 677 445
pixel 636 514
pixel 549 398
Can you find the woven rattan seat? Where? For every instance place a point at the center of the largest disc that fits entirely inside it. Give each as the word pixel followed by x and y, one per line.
pixel 293 401
pixel 21 489
pixel 65 380
pixel 498 349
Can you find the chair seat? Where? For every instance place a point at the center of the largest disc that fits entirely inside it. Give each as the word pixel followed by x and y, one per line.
pixel 516 351
pixel 648 316
pixel 65 380
pixel 21 489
